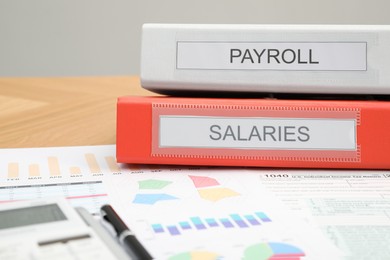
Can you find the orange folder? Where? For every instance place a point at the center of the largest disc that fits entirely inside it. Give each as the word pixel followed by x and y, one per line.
pixel 254 132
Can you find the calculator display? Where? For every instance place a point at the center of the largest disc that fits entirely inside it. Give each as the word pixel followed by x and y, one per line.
pixel 30 216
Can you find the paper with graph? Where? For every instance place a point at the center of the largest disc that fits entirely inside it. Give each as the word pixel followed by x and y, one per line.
pixel 213 214
pixel 72 172
pixel 351 207
pixel 185 212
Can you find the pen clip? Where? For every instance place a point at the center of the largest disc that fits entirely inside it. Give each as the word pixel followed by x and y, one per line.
pixel 107 225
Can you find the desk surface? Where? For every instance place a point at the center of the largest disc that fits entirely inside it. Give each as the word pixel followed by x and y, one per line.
pixel 41 112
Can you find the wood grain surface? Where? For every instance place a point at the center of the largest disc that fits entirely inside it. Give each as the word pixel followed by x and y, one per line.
pixel 42 112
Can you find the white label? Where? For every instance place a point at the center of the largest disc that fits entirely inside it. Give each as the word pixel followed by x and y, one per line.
pixel 257 133
pixel 319 56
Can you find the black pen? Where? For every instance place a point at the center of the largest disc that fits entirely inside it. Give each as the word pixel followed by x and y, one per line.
pixel 125 236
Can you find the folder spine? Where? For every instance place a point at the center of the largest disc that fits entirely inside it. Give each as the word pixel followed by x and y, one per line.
pixel 253 132
pixel 337 59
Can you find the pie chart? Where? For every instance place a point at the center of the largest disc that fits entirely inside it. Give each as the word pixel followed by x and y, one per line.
pixel 273 251
pixel 195 255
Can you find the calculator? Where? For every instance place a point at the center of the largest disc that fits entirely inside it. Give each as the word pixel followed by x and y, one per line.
pixel 53 229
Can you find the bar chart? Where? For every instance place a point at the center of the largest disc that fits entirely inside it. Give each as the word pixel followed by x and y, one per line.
pixel 75 173
pixel 56 164
pixel 50 168
pixel 72 172
pixel 196 223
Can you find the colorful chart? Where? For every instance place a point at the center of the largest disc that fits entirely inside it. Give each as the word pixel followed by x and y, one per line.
pixel 54 168
pixel 196 255
pixel 273 251
pixel 153 184
pixel 66 164
pixel 153 198
pixel 202 181
pixel 181 225
pixel 197 223
pixel 215 193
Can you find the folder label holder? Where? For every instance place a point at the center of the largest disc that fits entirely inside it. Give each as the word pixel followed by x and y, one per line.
pixel 288 56
pixel 210 131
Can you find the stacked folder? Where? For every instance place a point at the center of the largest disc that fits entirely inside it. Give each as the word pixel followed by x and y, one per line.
pixel 256 95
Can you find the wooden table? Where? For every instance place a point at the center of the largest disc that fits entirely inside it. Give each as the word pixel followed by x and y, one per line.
pixel 41 112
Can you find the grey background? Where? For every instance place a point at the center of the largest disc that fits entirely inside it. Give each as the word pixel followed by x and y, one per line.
pixel 102 37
